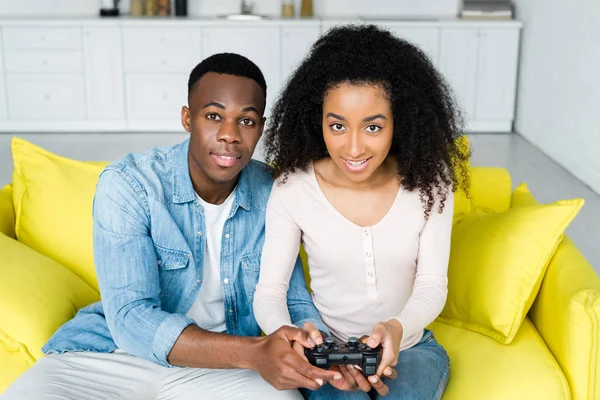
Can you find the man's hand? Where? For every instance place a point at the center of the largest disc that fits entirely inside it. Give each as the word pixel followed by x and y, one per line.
pixel 281 366
pixel 389 335
pixel 315 338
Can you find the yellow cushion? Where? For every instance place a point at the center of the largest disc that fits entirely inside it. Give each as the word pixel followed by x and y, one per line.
pixel 37 296
pixel 481 368
pixel 53 206
pixel 497 263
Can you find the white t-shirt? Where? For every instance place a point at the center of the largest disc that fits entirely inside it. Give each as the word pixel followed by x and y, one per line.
pixel 208 310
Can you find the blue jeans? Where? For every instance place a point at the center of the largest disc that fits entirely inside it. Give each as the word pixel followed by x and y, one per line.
pixel 422 375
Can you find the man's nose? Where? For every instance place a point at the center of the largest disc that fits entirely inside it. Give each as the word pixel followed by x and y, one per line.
pixel 229 132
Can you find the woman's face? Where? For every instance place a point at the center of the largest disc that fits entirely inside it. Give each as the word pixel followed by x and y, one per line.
pixel 358 127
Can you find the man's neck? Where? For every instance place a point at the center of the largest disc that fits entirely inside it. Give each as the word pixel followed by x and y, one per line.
pixel 213 193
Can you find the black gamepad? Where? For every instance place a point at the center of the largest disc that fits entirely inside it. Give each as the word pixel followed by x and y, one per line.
pixel 353 352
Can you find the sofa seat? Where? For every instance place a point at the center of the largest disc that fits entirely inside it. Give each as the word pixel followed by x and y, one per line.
pixel 482 368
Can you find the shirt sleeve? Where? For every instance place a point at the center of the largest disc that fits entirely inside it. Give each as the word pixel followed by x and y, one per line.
pixel 127 270
pixel 280 251
pixel 431 282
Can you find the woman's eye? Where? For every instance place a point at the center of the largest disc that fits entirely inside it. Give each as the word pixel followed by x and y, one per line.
pixel 247 122
pixel 214 117
pixel 337 127
pixel 373 128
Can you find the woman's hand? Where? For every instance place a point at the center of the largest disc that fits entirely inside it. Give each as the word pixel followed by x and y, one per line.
pixel 389 335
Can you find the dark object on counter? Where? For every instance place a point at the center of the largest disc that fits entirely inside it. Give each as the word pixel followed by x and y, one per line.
pixel 181 8
pixel 110 8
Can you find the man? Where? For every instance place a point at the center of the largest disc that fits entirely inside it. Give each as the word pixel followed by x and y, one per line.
pixel 178 234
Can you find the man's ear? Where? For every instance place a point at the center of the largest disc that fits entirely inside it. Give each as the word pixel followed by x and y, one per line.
pixel 186 119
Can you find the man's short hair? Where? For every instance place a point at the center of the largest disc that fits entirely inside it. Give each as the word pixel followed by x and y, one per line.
pixel 230 64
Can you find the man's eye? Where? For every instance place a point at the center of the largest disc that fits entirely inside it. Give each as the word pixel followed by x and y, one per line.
pixel 373 128
pixel 247 122
pixel 214 117
pixel 337 127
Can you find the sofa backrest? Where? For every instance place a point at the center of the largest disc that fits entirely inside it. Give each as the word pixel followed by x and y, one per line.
pixel 7 212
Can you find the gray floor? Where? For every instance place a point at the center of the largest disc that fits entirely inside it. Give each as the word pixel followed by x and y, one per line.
pixel 547 181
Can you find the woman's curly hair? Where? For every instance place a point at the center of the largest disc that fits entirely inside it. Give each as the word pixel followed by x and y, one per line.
pixel 427 121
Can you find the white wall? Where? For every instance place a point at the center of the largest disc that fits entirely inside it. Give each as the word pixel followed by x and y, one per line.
pixel 558 103
pixel 335 8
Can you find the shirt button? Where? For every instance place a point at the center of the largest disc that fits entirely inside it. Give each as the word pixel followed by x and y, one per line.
pixel 370 274
pixel 199 233
pixel 368 255
pixel 230 311
pixel 159 263
pixel 226 280
pixel 366 233
pixel 198 281
pixel 227 236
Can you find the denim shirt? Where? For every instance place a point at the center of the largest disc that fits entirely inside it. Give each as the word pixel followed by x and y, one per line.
pixel 149 245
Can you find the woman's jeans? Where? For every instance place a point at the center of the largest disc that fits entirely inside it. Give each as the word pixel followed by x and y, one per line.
pixel 422 375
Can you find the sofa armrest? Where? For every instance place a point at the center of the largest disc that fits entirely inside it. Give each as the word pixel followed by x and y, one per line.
pixel 566 312
pixel 7 212
pixel 37 296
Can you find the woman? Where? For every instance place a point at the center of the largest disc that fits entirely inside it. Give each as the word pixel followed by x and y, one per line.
pixel 364 144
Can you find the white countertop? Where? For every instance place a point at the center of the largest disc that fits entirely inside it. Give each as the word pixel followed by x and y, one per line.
pixel 275 21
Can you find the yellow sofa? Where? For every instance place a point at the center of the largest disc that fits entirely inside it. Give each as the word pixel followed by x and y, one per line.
pixel 555 354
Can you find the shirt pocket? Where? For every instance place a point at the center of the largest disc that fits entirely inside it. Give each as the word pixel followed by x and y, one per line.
pixel 250 264
pixel 171 259
pixel 173 273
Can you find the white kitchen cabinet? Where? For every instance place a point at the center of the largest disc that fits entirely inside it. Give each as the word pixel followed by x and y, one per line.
pixel 458 64
pixel 295 44
pixel 497 64
pixel 131 74
pixel 154 101
pixel 3 110
pixel 46 97
pixel 102 56
pixel 260 45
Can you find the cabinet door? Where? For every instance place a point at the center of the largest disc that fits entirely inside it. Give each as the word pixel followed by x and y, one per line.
pixel 103 67
pixel 295 44
pixel 497 73
pixel 458 64
pixel 260 45
pixel 3 111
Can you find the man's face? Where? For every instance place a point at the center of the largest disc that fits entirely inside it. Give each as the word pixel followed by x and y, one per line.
pixel 225 119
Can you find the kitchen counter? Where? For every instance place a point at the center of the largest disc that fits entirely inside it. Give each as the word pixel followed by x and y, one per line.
pixel 271 21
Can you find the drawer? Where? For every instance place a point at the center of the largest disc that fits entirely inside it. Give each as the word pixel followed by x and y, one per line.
pixel 161 61
pixel 45 97
pixel 173 39
pixel 16 38
pixel 156 97
pixel 24 61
